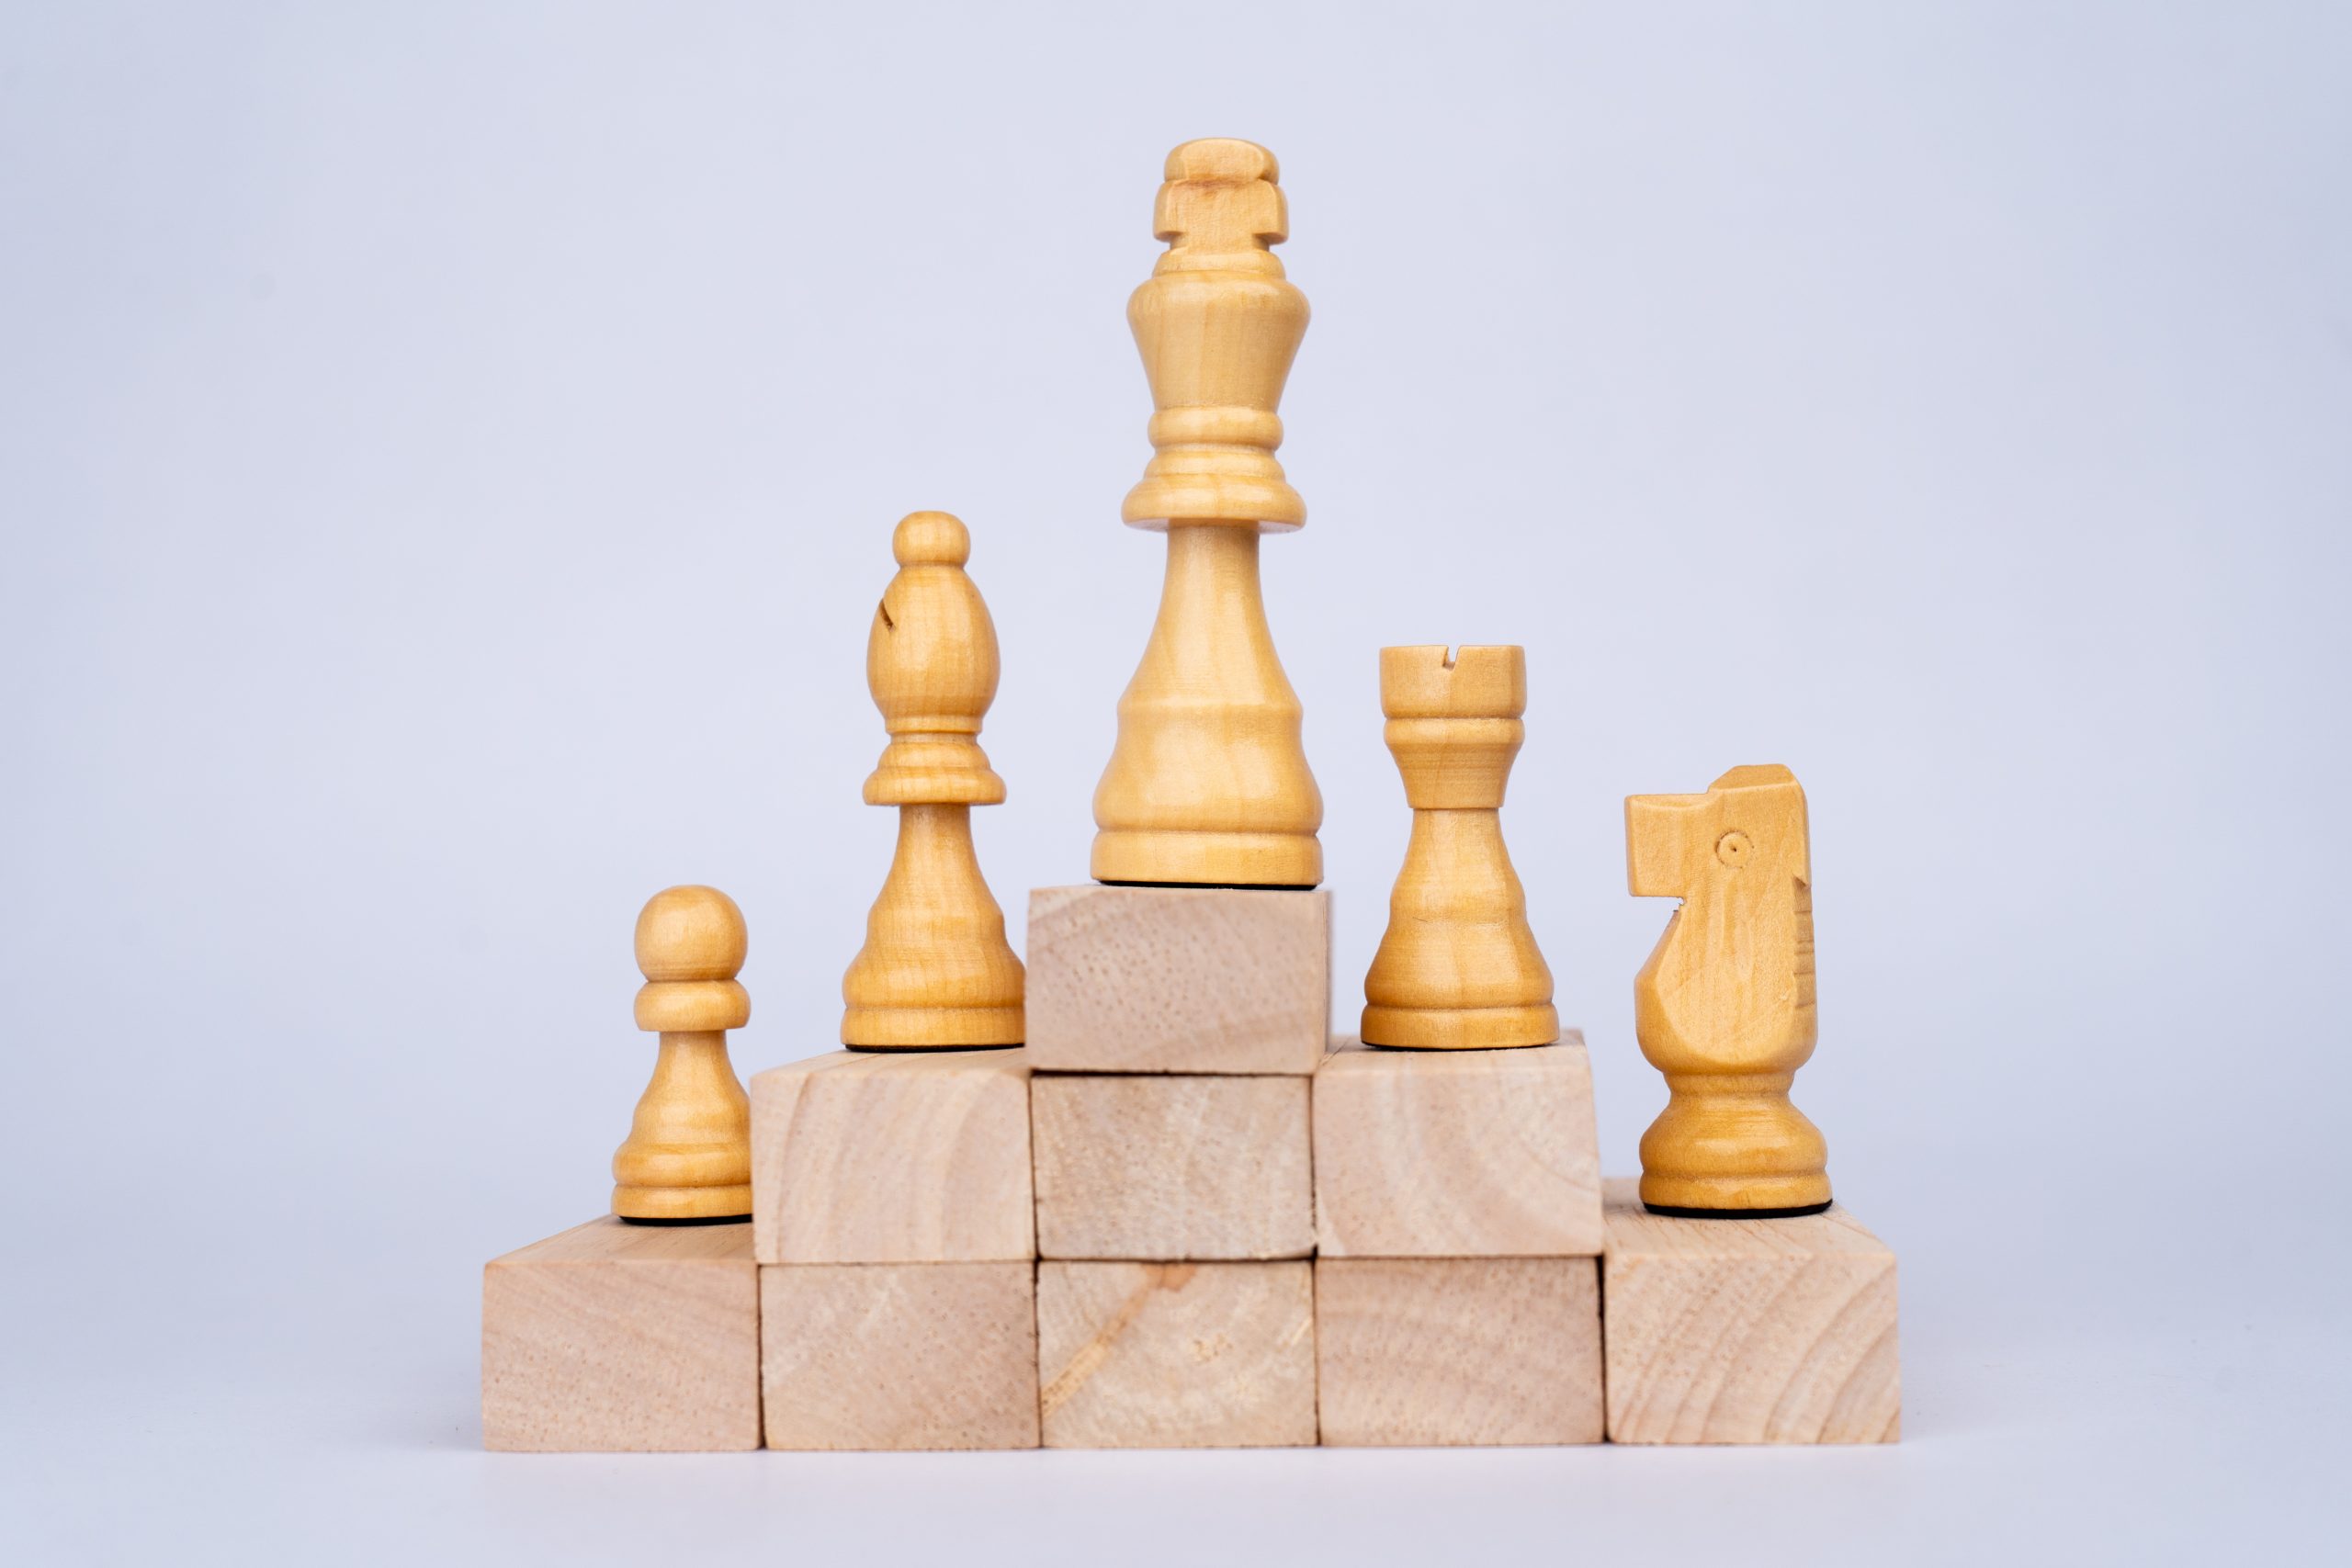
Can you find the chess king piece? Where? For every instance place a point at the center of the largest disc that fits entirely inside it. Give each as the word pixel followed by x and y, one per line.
pixel 935 972
pixel 1458 967
pixel 1725 1007
pixel 689 1157
pixel 1208 783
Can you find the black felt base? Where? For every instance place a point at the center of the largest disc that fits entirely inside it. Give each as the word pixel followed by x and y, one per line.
pixel 705 1220
pixel 1225 886
pixel 1672 1212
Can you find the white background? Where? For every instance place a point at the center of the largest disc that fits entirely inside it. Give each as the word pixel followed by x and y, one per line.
pixel 447 456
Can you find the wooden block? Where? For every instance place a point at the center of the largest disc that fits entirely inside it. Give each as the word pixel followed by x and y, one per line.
pixel 1457 1154
pixel 915 1158
pixel 1747 1331
pixel 1177 1355
pixel 1178 979
pixel 1427 1352
pixel 620 1337
pixel 1172 1168
pixel 900 1355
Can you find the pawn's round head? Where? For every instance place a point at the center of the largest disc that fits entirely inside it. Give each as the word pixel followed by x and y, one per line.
pixel 690 934
pixel 931 539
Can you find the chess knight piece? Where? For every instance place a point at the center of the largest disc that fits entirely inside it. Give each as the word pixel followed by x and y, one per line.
pixel 1458 967
pixel 689 1157
pixel 1725 1007
pixel 1208 783
pixel 935 972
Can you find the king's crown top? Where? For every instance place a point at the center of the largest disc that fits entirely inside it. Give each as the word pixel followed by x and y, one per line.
pixel 1221 207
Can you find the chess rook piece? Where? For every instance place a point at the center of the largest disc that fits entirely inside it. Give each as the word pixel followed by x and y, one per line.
pixel 935 972
pixel 1725 1007
pixel 1208 783
pixel 1458 967
pixel 689 1157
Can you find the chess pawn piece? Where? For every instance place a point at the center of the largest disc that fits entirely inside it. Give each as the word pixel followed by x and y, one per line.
pixel 935 972
pixel 1458 967
pixel 1725 1007
pixel 1208 782
pixel 689 1157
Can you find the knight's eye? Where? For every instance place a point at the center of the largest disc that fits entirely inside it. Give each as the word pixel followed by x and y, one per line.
pixel 1732 849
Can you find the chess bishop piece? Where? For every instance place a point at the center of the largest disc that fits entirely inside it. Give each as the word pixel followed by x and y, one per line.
pixel 1458 966
pixel 1208 782
pixel 689 1157
pixel 1725 1007
pixel 935 972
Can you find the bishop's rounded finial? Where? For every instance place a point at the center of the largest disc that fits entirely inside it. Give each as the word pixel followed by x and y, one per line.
pixel 931 539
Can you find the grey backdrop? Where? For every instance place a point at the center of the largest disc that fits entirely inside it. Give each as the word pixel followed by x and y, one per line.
pixel 448 454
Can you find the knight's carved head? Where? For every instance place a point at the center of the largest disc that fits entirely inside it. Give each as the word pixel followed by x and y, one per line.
pixel 1748 829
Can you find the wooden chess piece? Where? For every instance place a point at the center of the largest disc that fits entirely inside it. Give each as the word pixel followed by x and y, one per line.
pixel 1208 783
pixel 1458 967
pixel 935 972
pixel 689 1157
pixel 1725 1007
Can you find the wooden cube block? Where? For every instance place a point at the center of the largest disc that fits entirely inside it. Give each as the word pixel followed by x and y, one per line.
pixel 1457 1154
pixel 893 1158
pixel 1178 979
pixel 1747 1331
pixel 1177 1355
pixel 620 1337
pixel 1424 1352
pixel 1171 1168
pixel 900 1355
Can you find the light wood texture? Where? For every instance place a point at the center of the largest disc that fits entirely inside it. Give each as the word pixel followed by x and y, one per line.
pixel 688 1154
pixel 618 1337
pixel 900 1355
pixel 1458 967
pixel 1177 1355
pixel 915 1158
pixel 1178 980
pixel 1172 1168
pixel 1748 1331
pixel 937 970
pixel 1208 782
pixel 1470 1154
pixel 1725 1007
pixel 1443 1352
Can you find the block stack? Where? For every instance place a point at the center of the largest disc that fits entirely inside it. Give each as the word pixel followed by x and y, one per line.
pixel 896 1238
pixel 1457 1290
pixel 1174 1034
pixel 1134 1196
